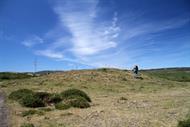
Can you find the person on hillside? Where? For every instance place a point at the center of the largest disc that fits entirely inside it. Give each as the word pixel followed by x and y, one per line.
pixel 135 70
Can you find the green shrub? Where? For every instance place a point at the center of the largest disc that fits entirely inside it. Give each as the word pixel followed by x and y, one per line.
pixel 5 77
pixel 62 106
pixel 75 92
pixel 71 98
pixel 42 95
pixel 77 101
pixel 27 125
pixel 10 75
pixel 32 112
pixel 55 98
pixel 19 94
pixel 32 101
pixel 104 69
pixel 185 123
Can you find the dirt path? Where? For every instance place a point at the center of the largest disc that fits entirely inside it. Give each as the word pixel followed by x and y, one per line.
pixel 3 112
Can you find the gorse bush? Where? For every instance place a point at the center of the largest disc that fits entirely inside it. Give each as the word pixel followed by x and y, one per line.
pixel 49 98
pixel 42 95
pixel 62 106
pixel 19 94
pixel 75 92
pixel 185 123
pixel 77 101
pixel 31 100
pixel 73 101
pixel 27 125
pixel 27 98
pixel 55 98
pixel 76 98
pixel 65 100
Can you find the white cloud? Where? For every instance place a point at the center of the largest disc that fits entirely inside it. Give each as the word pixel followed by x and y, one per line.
pixel 133 30
pixel 50 53
pixel 87 34
pixel 32 41
pixel 80 38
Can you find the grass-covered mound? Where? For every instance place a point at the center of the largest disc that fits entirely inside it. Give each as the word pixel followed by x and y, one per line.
pixel 28 98
pixel 54 98
pixel 73 98
pixel 19 94
pixel 75 92
pixel 62 106
pixel 77 101
pixel 65 100
pixel 32 100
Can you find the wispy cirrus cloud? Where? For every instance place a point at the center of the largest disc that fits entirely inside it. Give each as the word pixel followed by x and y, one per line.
pixel 88 36
pixel 147 27
pixel 80 37
pixel 32 41
pixel 50 54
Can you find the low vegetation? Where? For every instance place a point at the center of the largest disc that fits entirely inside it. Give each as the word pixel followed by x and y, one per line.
pixel 31 100
pixel 32 112
pixel 75 92
pixel 118 98
pixel 62 106
pixel 77 101
pixel 55 98
pixel 70 98
pixel 27 125
pixel 9 75
pixel 19 94
pixel 184 123
pixel 174 75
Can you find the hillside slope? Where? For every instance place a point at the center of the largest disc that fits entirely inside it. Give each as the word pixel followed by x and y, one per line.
pixel 118 99
pixel 175 74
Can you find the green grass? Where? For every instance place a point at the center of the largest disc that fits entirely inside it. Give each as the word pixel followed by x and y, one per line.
pixel 77 101
pixel 75 92
pixel 174 75
pixel 157 100
pixel 32 112
pixel 27 125
pixel 184 123
pixel 19 94
pixel 62 106
pixel 71 97
pixel 9 76
pixel 32 101
pixel 28 98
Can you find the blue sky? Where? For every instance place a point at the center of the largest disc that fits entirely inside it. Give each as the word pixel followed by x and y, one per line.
pixel 81 34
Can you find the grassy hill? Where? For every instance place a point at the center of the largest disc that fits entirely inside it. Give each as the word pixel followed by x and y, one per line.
pixel 159 98
pixel 12 75
pixel 175 74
